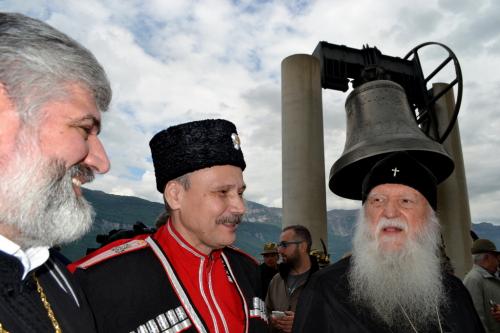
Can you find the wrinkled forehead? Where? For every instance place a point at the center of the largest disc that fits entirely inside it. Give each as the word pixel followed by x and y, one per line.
pixel 394 189
pixel 401 193
pixel 69 98
pixel 228 176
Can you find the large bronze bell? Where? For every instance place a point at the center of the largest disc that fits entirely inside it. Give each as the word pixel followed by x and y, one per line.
pixel 380 121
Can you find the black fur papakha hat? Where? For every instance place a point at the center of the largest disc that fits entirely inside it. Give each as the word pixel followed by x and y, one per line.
pixel 193 146
pixel 402 168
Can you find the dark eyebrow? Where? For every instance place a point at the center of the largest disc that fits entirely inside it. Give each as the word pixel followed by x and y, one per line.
pixel 96 122
pixel 229 187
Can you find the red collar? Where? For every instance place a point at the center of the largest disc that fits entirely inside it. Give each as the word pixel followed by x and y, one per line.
pixel 170 238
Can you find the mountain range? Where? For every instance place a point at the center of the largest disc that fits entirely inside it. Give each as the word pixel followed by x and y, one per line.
pixel 261 224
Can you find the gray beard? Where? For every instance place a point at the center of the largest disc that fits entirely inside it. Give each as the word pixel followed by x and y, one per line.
pixel 38 200
pixel 409 278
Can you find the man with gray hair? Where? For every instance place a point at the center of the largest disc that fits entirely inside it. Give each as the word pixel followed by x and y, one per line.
pixel 394 281
pixel 52 93
pixel 484 285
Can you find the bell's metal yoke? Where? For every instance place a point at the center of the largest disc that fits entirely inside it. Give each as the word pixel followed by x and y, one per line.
pixel 389 110
pixel 341 64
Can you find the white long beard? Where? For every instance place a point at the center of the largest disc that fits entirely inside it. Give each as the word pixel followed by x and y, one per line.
pixel 38 200
pixel 410 278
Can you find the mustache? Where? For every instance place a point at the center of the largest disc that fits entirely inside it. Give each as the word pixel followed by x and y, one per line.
pixel 82 172
pixel 232 219
pixel 391 223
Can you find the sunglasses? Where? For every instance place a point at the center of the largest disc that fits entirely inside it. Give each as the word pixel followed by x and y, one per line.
pixel 284 244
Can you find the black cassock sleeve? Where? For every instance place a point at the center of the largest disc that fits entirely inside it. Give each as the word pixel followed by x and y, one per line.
pixel 323 305
pixel 312 314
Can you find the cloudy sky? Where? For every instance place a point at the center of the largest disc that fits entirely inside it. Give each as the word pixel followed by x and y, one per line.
pixel 173 61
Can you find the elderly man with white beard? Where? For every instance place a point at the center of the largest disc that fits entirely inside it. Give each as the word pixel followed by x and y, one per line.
pixel 52 93
pixel 394 281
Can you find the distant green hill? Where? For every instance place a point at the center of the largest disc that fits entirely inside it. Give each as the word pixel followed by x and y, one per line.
pixel 488 231
pixel 122 209
pixel 112 212
pixel 261 224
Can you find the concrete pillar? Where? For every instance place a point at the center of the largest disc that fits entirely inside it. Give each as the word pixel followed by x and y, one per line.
pixel 304 195
pixel 453 199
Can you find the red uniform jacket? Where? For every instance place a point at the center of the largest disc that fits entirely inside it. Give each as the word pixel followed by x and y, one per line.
pixel 152 284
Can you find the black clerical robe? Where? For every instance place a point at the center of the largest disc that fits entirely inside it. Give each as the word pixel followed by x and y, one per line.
pixel 324 306
pixel 22 311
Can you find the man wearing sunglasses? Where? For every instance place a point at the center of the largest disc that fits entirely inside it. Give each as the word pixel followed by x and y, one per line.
pixel 294 272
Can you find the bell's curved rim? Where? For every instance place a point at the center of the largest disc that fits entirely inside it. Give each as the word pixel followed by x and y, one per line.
pixel 346 178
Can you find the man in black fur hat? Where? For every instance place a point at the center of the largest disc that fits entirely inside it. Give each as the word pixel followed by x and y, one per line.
pixel 394 281
pixel 185 277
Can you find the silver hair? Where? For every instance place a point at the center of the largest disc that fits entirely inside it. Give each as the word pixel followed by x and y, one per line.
pixel 185 181
pixel 38 63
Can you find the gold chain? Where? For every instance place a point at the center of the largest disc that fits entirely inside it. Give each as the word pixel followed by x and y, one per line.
pixel 412 326
pixel 47 306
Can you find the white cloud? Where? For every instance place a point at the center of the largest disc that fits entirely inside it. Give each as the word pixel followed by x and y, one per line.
pixel 175 61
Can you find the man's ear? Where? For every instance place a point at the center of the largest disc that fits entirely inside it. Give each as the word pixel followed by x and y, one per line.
pixel 303 247
pixel 173 194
